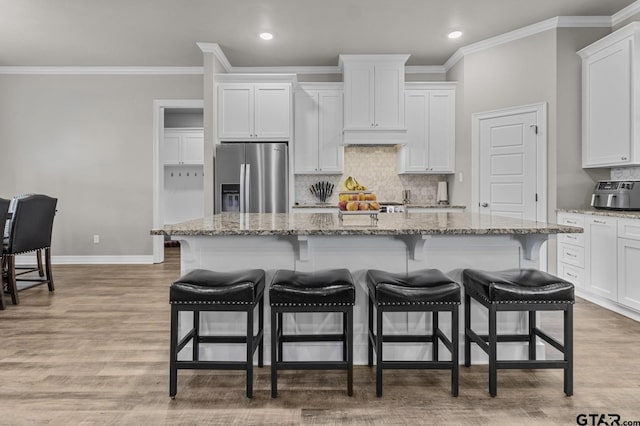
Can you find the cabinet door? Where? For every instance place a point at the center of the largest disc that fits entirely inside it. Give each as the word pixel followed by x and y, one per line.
pixel 358 102
pixel 602 261
pixel 235 111
pixel 628 272
pixel 171 147
pixel 441 140
pixel 272 111
pixel 330 149
pixel 388 97
pixel 607 106
pixel 306 132
pixel 192 148
pixel 414 153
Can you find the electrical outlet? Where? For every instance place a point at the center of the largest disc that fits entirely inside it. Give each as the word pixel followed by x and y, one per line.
pixel 96 239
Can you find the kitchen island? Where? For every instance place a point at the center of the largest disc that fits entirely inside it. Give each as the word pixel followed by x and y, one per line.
pixel 449 241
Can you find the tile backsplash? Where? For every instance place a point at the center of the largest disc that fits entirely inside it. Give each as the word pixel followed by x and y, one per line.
pixel 625 173
pixel 376 168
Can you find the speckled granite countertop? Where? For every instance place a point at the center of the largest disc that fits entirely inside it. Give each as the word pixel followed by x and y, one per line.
pixel 428 223
pixel 612 213
pixel 416 206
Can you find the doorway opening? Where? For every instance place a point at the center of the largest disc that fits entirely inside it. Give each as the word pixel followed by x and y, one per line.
pixel 178 165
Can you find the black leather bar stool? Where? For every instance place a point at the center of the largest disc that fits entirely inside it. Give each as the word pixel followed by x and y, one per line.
pixel 427 290
pixel 322 291
pixel 519 290
pixel 201 290
pixel 4 209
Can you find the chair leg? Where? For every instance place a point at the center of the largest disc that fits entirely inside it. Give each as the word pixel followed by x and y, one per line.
pixel 568 350
pixel 261 329
pixel 196 328
pixel 344 337
pixel 532 335
pixel 11 279
pixel 39 261
pixel 455 367
pixel 250 352
pixel 173 356
pixel 379 358
pixel 349 336
pixel 434 337
pixel 370 332
pixel 274 352
pixel 280 330
pixel 493 343
pixel 47 264
pixel 467 326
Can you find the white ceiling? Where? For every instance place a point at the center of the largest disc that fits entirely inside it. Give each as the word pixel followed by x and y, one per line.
pixel 307 32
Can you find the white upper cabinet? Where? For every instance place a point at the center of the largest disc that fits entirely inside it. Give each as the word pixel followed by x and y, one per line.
pixel 318 129
pixel 430 119
pixel 373 94
pixel 260 111
pixel 183 146
pixel 611 99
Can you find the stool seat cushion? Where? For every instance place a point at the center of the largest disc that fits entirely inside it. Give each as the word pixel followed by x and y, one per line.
pixel 517 286
pixel 426 286
pixel 204 286
pixel 328 287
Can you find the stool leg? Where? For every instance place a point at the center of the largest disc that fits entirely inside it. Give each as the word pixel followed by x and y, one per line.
pixel 350 351
pixel 280 331
pixel 250 352
pixel 379 358
pixel 344 337
pixel 173 356
pixel 532 335
pixel 467 326
pixel 274 352
pixel 369 334
pixel 568 350
pixel 455 367
pixel 434 337
pixel 261 330
pixel 196 328
pixel 47 268
pixel 493 343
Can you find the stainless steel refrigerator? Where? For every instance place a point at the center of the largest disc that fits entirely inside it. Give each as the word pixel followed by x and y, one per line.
pixel 251 178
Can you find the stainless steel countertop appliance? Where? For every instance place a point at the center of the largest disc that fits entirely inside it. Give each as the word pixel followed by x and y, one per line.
pixel 616 195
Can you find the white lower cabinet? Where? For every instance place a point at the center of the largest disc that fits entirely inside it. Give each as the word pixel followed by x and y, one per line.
pixel 603 262
pixel 601 250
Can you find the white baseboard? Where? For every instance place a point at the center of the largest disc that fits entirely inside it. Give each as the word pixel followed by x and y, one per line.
pixel 608 304
pixel 90 260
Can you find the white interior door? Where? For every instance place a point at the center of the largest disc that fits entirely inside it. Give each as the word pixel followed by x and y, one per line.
pixel 508 165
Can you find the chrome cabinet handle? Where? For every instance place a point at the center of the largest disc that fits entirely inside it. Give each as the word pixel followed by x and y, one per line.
pixel 623 158
pixel 572 275
pixel 572 222
pixel 571 255
pixel 485 204
pixel 602 222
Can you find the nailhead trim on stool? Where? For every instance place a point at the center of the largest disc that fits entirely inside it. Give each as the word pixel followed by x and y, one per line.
pixel 427 290
pixel 202 290
pixel 519 290
pixel 321 291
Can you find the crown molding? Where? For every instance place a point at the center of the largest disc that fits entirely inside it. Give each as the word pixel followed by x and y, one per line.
pixel 217 52
pixel 288 70
pixel 37 70
pixel 529 30
pixel 627 12
pixel 424 69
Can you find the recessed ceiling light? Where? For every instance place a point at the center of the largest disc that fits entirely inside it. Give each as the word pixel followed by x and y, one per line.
pixel 455 34
pixel 266 36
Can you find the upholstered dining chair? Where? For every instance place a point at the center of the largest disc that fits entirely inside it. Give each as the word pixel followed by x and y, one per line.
pixel 29 231
pixel 4 209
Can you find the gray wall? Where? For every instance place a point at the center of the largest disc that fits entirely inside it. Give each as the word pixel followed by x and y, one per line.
pixel 87 140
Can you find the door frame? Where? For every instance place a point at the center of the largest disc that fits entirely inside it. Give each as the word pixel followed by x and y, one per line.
pixel 541 149
pixel 159 106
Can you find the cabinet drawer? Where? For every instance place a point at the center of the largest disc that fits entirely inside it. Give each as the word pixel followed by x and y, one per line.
pixel 574 239
pixel 571 220
pixel 629 228
pixel 572 274
pixel 570 254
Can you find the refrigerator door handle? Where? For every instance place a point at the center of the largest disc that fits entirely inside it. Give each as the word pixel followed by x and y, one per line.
pixel 242 187
pixel 247 188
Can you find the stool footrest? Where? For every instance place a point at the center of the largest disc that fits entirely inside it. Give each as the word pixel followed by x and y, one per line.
pixel 222 339
pixel 186 339
pixel 211 365
pixel 415 365
pixel 550 340
pixel 531 364
pixel 407 338
pixel 311 337
pixel 310 365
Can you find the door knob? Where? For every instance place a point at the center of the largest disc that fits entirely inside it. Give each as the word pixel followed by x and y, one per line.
pixel 485 204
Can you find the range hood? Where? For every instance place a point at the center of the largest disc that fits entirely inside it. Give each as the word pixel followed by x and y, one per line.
pixel 374 137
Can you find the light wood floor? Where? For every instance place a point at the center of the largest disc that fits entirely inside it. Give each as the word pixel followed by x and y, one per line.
pixel 96 352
